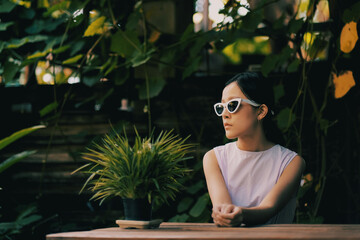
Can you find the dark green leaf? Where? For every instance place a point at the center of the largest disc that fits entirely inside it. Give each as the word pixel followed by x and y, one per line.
pixel 6 6
pixel 279 23
pixel 76 47
pixel 325 124
pixel 285 54
pixel 27 13
pixel 200 205
pixel 133 21
pixel 29 210
pixel 14 159
pixel 196 187
pixel 3 26
pixel 197 46
pixel 295 25
pixel 47 25
pixel 179 218
pixel 16 43
pixel 156 84
pixel 184 204
pixel 29 220
pixel 352 14
pixel 7 227
pixel 279 92
pixel 76 21
pixel 8 140
pixel 285 118
pixel 188 33
pixel 91 81
pixel 251 20
pixel 347 16
pixel 269 64
pixel 140 58
pixel 125 43
pixel 2 45
pixel 53 41
pixel 293 66
pixel 356 11
pixel 195 63
pixel 48 109
pixel 10 70
pixel 272 61
pixel 76 8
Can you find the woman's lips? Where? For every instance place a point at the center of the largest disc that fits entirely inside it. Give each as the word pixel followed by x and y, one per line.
pixel 227 125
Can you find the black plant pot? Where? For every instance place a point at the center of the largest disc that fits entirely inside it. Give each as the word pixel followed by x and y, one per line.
pixel 137 209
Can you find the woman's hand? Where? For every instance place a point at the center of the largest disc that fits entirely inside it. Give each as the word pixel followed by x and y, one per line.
pixel 227 215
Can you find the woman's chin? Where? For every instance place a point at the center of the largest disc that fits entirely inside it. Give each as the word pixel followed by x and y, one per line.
pixel 229 135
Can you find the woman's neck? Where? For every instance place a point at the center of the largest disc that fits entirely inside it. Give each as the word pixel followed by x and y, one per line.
pixel 254 143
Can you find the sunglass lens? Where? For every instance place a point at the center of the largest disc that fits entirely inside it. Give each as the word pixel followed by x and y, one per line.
pixel 219 109
pixel 232 106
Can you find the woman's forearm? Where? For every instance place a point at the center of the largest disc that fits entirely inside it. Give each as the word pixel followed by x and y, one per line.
pixel 257 215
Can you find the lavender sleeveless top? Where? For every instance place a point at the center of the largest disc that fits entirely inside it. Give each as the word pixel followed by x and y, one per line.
pixel 249 176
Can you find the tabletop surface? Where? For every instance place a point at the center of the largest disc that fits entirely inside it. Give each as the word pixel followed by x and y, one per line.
pixel 210 231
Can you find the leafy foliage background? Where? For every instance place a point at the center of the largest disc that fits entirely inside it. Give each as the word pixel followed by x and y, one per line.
pixel 113 47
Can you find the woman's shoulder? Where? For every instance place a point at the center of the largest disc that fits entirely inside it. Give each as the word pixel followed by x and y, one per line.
pixel 289 155
pixel 285 150
pixel 210 158
pixel 209 154
pixel 218 153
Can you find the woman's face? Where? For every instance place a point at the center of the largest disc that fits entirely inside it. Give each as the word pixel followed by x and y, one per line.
pixel 243 122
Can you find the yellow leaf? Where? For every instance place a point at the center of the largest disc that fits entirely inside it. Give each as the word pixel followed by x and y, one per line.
pixel 94 27
pixel 348 37
pixel 73 59
pixel 37 55
pixel 26 4
pixel 230 52
pixel 309 38
pixel 343 83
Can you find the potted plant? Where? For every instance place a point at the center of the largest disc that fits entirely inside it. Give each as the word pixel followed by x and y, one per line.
pixel 140 173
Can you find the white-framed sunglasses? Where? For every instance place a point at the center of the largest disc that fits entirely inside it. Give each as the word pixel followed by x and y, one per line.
pixel 232 105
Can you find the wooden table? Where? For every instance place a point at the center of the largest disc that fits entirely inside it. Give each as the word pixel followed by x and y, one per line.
pixel 210 231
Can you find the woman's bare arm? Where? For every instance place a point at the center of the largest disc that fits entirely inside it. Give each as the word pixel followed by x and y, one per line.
pixel 214 180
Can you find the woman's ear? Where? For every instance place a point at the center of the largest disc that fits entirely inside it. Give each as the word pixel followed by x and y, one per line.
pixel 262 111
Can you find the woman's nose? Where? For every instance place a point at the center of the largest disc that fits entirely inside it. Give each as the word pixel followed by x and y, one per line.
pixel 226 113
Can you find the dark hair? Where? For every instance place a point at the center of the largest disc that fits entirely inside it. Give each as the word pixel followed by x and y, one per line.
pixel 260 89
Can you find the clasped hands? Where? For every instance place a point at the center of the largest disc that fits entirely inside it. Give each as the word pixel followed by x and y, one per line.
pixel 227 215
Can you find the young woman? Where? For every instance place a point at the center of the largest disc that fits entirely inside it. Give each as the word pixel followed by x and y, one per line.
pixel 251 180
